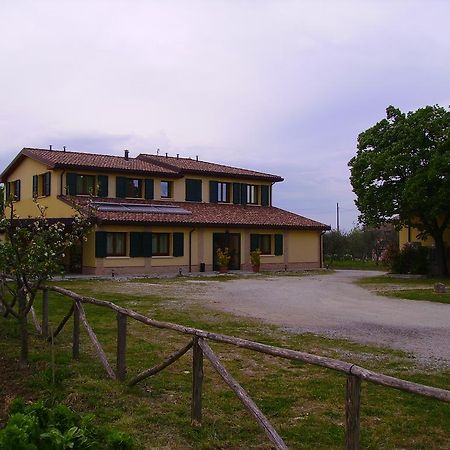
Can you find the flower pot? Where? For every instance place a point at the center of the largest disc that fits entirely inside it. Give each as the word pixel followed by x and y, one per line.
pixel 223 269
pixel 255 268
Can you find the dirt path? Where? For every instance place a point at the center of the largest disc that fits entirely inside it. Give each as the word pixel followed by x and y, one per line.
pixel 333 305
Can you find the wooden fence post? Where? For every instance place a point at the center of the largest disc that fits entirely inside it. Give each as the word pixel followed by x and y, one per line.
pixel 76 332
pixel 23 330
pixel 121 346
pixel 197 383
pixel 352 407
pixel 45 313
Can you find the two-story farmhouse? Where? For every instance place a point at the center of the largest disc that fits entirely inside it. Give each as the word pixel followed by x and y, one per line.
pixel 161 214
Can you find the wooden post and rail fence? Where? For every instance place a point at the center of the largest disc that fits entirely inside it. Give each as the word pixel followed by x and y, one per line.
pixel 198 342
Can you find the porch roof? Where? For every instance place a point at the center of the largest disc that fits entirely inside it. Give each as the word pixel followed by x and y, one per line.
pixel 153 212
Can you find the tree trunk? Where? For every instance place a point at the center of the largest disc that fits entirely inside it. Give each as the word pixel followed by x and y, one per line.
pixel 23 330
pixel 441 255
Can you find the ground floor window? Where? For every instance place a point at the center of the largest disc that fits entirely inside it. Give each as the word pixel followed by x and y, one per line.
pixel 265 244
pixel 268 244
pixel 160 244
pixel 116 244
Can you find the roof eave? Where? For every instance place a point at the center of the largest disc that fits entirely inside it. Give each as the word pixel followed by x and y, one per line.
pixel 240 176
pixel 115 170
pixel 17 160
pixel 211 225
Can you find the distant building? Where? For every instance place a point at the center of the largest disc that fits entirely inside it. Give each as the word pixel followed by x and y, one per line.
pixel 160 214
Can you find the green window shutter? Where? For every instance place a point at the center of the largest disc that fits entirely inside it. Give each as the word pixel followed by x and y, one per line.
pixel 237 193
pixel 254 242
pixel 100 244
pixel 147 244
pixel 278 244
pixel 265 200
pixel 121 188
pixel 47 183
pixel 71 183
pixel 35 185
pixel 193 190
pixel 213 194
pixel 178 244
pixel 243 194
pixel 149 189
pixel 136 248
pixel 102 185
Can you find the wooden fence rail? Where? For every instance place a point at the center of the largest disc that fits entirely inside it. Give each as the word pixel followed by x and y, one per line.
pixel 200 347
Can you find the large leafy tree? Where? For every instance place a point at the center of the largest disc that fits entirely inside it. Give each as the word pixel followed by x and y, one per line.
pixel 401 173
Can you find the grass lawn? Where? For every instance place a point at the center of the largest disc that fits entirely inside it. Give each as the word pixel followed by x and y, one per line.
pixel 304 403
pixel 412 288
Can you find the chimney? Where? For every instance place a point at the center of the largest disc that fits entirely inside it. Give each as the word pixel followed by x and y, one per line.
pixel 64 148
pixel 196 157
pixel 178 155
pixel 50 146
pixel 167 155
pixel 126 155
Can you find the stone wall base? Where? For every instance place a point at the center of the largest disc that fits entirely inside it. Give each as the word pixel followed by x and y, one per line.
pixel 174 270
pixel 277 267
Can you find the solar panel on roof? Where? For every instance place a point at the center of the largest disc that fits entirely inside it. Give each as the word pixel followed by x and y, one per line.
pixel 139 208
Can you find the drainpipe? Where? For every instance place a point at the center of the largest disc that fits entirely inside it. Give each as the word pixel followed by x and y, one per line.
pixel 190 249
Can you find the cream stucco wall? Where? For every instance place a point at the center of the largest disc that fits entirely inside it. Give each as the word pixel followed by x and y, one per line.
pixel 410 235
pixel 301 249
pixel 304 246
pixel 26 206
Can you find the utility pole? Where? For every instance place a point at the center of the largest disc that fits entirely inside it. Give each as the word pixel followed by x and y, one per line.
pixel 337 217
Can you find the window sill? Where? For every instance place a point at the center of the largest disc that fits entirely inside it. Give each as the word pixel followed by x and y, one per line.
pixel 117 257
pixel 162 256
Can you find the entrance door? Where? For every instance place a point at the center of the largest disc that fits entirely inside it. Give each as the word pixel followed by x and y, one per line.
pixel 231 241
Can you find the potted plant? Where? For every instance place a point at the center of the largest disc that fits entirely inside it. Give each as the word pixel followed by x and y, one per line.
pixel 223 259
pixel 255 258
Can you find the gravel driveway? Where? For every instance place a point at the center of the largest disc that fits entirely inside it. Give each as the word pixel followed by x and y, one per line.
pixel 333 305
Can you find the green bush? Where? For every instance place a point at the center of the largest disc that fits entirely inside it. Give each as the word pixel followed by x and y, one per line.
pixel 37 427
pixel 412 259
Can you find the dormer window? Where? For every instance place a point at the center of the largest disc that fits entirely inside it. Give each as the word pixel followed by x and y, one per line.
pixel 128 187
pixel 223 192
pixel 85 184
pixel 134 188
pixel 82 184
pixel 252 194
pixel 166 189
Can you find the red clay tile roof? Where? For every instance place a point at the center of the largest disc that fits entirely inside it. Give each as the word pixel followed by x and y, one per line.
pixel 88 161
pixel 207 214
pixel 192 166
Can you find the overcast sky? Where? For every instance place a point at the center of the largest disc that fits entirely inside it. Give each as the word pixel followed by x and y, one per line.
pixel 278 86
